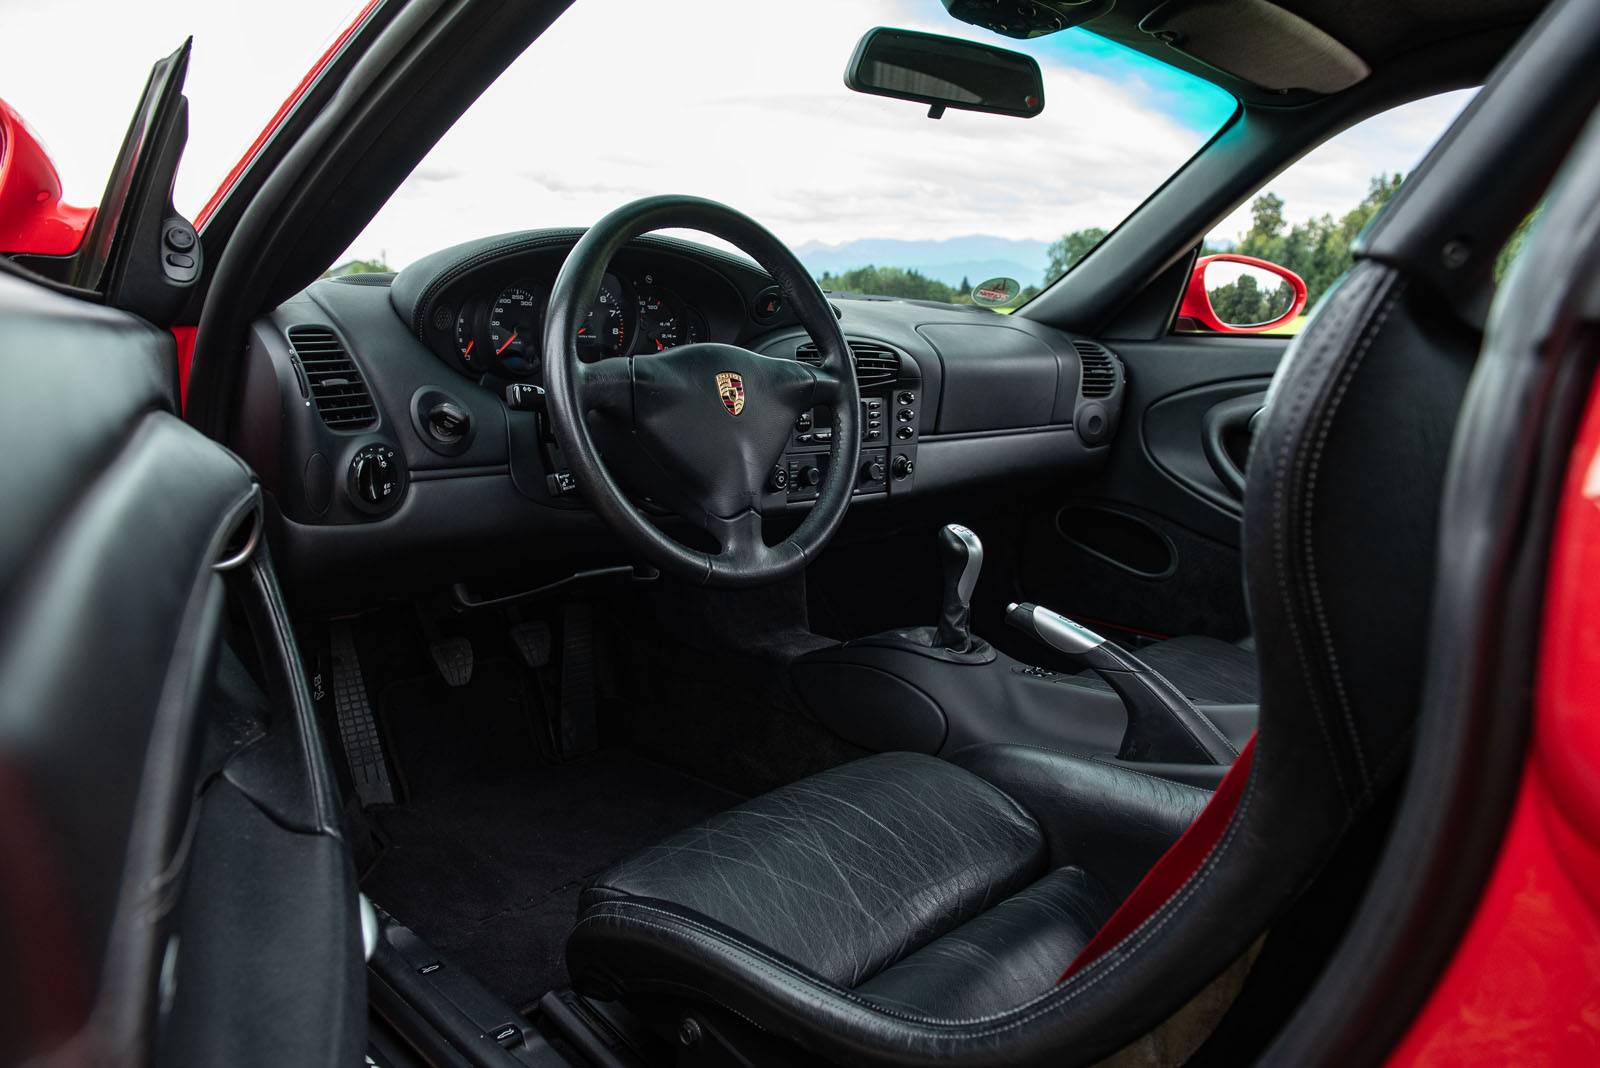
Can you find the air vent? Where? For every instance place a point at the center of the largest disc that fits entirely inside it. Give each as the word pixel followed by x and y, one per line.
pixel 336 385
pixel 1099 369
pixel 875 364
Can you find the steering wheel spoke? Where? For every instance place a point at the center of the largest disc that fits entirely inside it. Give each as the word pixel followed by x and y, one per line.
pixel 606 386
pixel 829 387
pixel 740 538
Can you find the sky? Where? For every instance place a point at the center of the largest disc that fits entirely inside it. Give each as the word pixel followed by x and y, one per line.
pixel 737 100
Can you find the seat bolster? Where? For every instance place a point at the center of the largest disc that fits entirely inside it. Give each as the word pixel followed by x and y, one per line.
pixel 1109 820
pixel 1005 957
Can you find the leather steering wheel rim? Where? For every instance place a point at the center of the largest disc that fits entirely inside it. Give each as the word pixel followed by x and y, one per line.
pixel 623 389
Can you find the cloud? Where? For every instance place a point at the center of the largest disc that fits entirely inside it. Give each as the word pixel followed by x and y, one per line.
pixel 741 102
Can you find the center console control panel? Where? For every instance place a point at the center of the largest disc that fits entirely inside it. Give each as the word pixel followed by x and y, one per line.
pixel 891 413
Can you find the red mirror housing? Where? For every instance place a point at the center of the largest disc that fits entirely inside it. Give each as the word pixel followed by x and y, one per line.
pixel 32 217
pixel 1196 311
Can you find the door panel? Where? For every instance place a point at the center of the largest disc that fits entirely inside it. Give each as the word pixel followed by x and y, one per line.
pixel 1094 553
pixel 112 614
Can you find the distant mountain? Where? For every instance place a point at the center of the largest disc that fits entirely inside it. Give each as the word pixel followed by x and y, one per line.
pixel 976 258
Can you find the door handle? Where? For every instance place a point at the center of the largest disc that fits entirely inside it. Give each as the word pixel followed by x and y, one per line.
pixel 1231 418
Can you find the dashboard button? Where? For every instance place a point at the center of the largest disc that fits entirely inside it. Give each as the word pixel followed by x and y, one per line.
pixel 905 415
pixel 907 398
pixel 904 433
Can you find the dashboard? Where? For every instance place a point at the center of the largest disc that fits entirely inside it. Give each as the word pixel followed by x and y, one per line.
pixel 396 425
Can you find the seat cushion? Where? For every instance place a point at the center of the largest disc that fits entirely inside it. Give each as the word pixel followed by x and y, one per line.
pixel 848 870
pixel 1001 958
pixel 1205 670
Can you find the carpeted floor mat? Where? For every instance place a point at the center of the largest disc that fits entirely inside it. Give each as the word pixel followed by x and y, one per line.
pixel 488 872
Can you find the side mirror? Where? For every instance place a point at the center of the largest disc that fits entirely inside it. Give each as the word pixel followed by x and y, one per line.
pixel 1233 294
pixel 945 72
pixel 32 217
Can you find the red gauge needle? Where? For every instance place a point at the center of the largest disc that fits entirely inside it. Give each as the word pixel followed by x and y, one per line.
pixel 506 345
pixel 467 352
pixel 659 345
pixel 582 330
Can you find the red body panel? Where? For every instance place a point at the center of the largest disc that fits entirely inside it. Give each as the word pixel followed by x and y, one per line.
pixel 1524 986
pixel 283 110
pixel 1197 302
pixel 32 215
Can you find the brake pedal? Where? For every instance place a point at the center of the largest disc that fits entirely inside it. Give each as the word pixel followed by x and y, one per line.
pixel 358 731
pixel 532 642
pixel 453 658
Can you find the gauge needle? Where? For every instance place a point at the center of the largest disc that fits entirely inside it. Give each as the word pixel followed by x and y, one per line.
pixel 582 330
pixel 659 345
pixel 506 345
pixel 468 351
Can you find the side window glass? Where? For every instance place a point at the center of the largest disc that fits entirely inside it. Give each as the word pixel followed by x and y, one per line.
pixel 1264 267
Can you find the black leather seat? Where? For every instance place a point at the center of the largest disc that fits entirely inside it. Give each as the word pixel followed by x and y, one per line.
pixel 903 911
pixel 906 882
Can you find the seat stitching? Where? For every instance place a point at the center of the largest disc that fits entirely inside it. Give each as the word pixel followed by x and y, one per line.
pixel 1314 465
pixel 1281 467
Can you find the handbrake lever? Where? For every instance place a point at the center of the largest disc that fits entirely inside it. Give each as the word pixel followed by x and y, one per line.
pixel 1163 724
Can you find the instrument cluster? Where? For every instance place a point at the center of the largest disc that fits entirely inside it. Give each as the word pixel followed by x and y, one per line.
pixel 502 331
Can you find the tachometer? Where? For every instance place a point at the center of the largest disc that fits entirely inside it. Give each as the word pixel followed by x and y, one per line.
pixel 661 324
pixel 606 330
pixel 514 327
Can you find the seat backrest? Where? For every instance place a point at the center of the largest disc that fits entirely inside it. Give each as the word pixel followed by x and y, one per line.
pixel 1341 525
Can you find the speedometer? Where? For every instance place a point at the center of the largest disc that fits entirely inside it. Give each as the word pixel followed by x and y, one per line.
pixel 607 329
pixel 514 327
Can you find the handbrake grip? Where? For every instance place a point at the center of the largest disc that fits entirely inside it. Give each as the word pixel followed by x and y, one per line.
pixel 1163 724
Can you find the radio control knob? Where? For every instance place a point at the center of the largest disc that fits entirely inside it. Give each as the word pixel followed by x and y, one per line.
pixel 873 470
pixel 810 475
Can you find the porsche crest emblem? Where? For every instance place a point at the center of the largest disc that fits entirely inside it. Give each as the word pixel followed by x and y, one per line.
pixel 730 387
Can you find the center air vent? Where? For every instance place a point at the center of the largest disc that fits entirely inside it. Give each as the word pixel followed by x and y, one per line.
pixel 1099 369
pixel 336 384
pixel 875 364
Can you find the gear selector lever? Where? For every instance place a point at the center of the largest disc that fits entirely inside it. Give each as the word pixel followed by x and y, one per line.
pixel 1163 725
pixel 962 554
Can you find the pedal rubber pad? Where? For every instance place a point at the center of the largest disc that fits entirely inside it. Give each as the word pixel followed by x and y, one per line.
pixel 453 658
pixel 358 731
pixel 532 641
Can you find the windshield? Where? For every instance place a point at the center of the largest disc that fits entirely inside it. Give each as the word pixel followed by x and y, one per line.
pixel 745 103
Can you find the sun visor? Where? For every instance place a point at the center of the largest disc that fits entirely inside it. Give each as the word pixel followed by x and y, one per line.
pixel 1258 42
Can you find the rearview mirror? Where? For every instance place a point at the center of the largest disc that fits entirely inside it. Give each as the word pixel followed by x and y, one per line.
pixel 945 72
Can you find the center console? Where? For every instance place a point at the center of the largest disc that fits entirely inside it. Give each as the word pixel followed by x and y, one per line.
pixel 891 413
pixel 938 689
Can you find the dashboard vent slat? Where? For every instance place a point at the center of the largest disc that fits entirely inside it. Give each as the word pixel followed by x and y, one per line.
pixel 875 364
pixel 336 384
pixel 1099 369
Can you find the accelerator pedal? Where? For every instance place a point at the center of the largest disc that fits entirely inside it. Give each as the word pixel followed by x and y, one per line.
pixel 453 658
pixel 358 731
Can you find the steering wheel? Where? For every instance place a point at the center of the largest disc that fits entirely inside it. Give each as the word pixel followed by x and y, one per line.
pixel 698 427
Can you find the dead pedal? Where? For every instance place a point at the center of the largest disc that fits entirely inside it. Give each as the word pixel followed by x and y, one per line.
pixel 532 642
pixel 453 658
pixel 358 731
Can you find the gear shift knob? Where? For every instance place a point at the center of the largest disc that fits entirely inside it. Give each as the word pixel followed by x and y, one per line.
pixel 962 554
